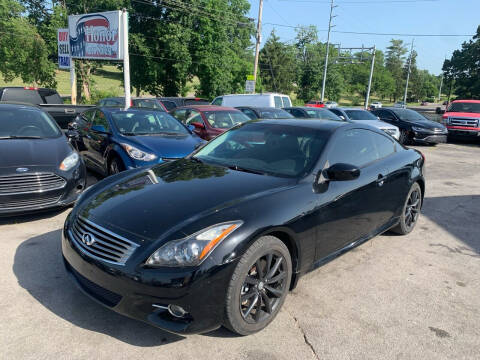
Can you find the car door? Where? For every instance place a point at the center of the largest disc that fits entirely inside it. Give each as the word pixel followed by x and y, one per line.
pixel 97 140
pixel 349 209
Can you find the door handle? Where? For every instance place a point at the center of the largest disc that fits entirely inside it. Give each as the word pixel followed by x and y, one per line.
pixel 381 180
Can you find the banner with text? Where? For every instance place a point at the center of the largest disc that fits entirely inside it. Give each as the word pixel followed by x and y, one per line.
pixel 63 49
pixel 96 36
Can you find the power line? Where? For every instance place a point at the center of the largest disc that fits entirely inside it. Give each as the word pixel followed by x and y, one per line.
pixel 379 2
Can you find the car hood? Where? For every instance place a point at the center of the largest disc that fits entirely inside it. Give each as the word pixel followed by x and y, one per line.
pixel 167 146
pixel 462 114
pixel 427 124
pixel 33 152
pixel 155 201
pixel 376 123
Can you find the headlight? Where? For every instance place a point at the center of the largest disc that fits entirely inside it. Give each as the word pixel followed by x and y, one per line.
pixel 69 162
pixel 193 249
pixel 419 129
pixel 137 154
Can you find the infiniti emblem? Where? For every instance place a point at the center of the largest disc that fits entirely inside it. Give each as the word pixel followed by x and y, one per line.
pixel 88 239
pixel 21 170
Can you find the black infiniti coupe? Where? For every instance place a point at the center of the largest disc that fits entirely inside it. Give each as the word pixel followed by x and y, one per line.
pixel 221 236
pixel 39 169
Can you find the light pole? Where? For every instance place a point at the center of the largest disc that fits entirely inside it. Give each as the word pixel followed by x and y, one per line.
pixel 328 48
pixel 370 78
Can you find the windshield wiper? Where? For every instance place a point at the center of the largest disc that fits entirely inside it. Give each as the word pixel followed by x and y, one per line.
pixel 19 137
pixel 238 168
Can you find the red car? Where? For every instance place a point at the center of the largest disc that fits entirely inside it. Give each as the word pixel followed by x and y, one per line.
pixel 462 119
pixel 314 103
pixel 209 120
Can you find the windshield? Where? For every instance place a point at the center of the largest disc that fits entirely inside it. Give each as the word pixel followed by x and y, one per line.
pixel 409 115
pixel 360 115
pixel 225 119
pixel 27 123
pixel 322 114
pixel 272 149
pixel 464 107
pixel 147 123
pixel 275 114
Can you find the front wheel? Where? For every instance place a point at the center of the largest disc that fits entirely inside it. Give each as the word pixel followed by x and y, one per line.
pixel 411 211
pixel 258 287
pixel 403 139
pixel 115 166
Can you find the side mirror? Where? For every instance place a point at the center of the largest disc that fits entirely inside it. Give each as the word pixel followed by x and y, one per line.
pixel 198 125
pixel 191 127
pixel 342 172
pixel 99 129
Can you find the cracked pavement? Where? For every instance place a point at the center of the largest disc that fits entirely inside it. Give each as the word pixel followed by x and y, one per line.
pixel 393 297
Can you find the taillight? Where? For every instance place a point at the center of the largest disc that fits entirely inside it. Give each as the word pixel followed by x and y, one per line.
pixel 30 88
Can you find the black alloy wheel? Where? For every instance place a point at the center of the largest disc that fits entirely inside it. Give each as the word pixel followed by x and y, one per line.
pixel 403 137
pixel 411 211
pixel 115 166
pixel 259 286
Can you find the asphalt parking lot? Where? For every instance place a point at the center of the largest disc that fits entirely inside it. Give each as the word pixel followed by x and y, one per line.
pixel 412 297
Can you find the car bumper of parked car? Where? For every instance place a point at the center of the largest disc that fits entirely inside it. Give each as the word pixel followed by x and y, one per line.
pixel 45 198
pixel 430 138
pixel 463 131
pixel 145 293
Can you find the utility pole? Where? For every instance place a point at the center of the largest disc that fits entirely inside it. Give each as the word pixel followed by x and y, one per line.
pixel 408 74
pixel 328 48
pixel 259 40
pixel 370 78
pixel 440 89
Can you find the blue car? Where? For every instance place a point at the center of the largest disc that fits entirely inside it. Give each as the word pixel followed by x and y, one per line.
pixel 111 140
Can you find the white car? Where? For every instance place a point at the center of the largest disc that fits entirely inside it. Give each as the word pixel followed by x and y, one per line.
pixel 258 100
pixel 400 104
pixel 366 117
pixel 376 105
pixel 330 104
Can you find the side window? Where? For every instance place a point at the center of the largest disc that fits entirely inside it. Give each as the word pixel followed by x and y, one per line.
pixel 217 101
pixel 278 101
pixel 194 116
pixel 100 120
pixel 336 112
pixel 387 115
pixel 249 113
pixel 180 115
pixel 384 145
pixel 169 105
pixel 286 101
pixel 355 147
pixel 297 113
pixel 87 116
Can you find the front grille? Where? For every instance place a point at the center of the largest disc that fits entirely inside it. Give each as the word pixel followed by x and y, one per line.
pixel 28 203
pixel 101 294
pixel 30 183
pixel 463 122
pixel 106 245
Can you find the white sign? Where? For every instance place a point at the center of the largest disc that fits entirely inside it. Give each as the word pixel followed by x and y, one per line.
pixel 250 86
pixel 96 36
pixel 63 49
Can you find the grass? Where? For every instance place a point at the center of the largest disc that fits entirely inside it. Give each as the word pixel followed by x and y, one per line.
pixel 106 79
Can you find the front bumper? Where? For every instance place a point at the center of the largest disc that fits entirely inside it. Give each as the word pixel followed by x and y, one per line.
pixel 27 202
pixel 132 290
pixel 430 138
pixel 463 131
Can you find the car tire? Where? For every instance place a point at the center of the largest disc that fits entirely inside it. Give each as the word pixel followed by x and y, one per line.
pixel 115 165
pixel 410 212
pixel 403 137
pixel 254 297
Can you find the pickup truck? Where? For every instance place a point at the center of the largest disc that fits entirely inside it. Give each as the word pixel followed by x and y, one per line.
pixel 462 118
pixel 47 99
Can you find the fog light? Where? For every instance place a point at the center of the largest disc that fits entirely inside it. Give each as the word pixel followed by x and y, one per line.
pixel 176 311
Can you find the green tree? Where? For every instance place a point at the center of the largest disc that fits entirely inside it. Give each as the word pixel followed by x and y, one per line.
pixel 277 65
pixel 23 51
pixel 464 68
pixel 394 62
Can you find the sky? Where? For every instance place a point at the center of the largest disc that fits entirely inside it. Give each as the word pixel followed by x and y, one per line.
pixel 378 16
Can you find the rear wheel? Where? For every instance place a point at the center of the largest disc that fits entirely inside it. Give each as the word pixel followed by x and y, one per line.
pixel 258 286
pixel 411 211
pixel 115 166
pixel 403 137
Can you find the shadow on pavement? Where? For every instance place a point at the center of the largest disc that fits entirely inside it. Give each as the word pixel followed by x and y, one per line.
pixel 38 266
pixel 459 215
pixel 41 215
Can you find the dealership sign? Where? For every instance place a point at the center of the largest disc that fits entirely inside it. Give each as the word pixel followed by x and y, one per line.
pixel 96 36
pixel 63 49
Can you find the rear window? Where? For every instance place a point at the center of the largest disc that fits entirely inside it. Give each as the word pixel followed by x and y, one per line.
pixel 275 114
pixel 322 114
pixel 22 95
pixel 225 119
pixel 169 105
pixel 360 115
pixel 196 101
pixel 148 103
pixel 465 107
pixel 50 96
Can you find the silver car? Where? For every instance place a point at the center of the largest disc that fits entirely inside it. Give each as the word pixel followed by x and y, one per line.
pixel 366 117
